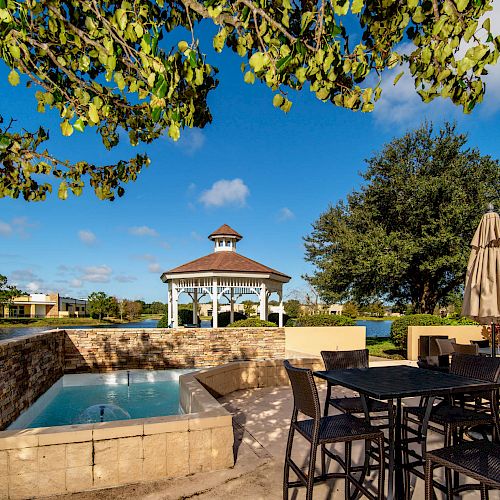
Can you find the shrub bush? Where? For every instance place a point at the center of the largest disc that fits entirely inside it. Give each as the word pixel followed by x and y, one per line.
pixel 324 320
pixel 291 322
pixel 399 327
pixel 275 318
pixel 251 322
pixel 184 316
pixel 224 318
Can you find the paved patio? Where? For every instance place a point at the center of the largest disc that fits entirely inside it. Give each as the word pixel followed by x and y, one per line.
pixel 261 426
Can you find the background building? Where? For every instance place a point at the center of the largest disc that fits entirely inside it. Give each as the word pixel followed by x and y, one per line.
pixel 41 305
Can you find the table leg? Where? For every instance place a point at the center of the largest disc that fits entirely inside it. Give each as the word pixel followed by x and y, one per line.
pixel 398 455
pixel 390 475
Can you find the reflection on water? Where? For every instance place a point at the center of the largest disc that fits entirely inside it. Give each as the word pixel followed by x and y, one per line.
pixel 373 328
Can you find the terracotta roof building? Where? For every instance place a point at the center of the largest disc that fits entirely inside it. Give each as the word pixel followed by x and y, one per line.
pixel 223 275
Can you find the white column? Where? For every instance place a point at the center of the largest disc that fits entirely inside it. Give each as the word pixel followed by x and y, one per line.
pixel 280 317
pixel 214 304
pixel 231 314
pixel 175 306
pixel 169 304
pixel 195 306
pixel 263 301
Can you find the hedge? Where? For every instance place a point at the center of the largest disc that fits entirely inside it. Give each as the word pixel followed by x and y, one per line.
pixel 399 327
pixel 251 322
pixel 324 320
pixel 224 318
pixel 275 318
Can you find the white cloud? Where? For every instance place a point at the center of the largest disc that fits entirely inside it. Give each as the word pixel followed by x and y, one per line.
pixel 154 267
pixel 147 257
pixel 285 214
pixel 142 231
pixel 125 278
pixel 86 236
pixel 191 141
pixel 33 286
pixel 17 226
pixel 225 192
pixel 165 245
pixel 76 283
pixel 5 228
pixel 97 274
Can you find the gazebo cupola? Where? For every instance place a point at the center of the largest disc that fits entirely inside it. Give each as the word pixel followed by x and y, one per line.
pixel 225 239
pixel 223 275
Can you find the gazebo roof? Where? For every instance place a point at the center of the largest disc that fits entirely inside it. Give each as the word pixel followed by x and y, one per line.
pixel 224 262
pixel 225 230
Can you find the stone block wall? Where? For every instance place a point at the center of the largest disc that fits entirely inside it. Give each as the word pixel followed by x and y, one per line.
pixel 102 350
pixel 68 459
pixel 28 367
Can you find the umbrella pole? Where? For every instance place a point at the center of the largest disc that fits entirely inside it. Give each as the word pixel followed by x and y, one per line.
pixel 493 340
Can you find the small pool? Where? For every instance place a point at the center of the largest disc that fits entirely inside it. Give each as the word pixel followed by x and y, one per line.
pixel 104 397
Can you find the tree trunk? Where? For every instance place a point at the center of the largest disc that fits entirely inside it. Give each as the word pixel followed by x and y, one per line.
pixel 427 300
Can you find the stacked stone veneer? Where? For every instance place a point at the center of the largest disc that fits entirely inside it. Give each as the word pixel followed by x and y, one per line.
pixel 103 350
pixel 28 367
pixel 66 459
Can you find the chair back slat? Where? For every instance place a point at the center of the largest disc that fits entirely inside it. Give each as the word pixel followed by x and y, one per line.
pixel 305 393
pixel 478 367
pixel 344 360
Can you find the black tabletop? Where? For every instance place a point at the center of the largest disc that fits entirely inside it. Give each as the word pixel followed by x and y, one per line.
pixel 393 382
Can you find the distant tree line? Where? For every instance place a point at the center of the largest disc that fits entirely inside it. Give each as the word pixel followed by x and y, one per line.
pixel 101 305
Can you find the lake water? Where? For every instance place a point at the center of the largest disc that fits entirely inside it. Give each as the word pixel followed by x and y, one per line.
pixel 373 328
pixel 376 328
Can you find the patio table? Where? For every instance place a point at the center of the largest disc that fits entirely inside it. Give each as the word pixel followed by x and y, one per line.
pixel 392 384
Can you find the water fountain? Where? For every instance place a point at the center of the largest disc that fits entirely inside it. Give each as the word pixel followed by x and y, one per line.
pixel 101 413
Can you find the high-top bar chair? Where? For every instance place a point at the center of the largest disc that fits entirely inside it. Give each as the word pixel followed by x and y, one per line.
pixel 453 416
pixel 318 430
pixel 479 460
pixel 342 360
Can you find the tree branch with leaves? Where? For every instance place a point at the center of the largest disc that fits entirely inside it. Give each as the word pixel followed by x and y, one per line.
pixel 105 65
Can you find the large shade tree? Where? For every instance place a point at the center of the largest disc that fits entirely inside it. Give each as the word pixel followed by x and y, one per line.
pixel 105 64
pixel 404 236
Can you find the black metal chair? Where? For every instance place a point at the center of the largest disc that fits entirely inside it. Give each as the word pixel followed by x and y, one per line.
pixel 479 460
pixel 319 431
pixel 453 416
pixel 342 360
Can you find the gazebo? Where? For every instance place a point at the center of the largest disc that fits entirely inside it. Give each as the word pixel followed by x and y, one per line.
pixel 223 274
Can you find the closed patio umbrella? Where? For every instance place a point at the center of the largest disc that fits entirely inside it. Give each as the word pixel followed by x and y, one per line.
pixel 482 283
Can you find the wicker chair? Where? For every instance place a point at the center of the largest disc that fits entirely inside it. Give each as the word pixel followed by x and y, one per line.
pixel 479 460
pixel 453 416
pixel 343 360
pixel 320 431
pixel 472 349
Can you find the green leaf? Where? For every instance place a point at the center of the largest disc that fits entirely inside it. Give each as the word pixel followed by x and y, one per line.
pixel 62 192
pixel 174 131
pixel 13 78
pixel 15 51
pixel 79 125
pixel 258 61
pixel 249 77
pixel 461 5
pixel 4 142
pixel 182 46
pixel 93 113
pixel 121 18
pixel 278 100
pixel 66 128
pixel 398 77
pixel 357 6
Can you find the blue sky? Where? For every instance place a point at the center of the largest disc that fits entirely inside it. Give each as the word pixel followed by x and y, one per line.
pixel 267 174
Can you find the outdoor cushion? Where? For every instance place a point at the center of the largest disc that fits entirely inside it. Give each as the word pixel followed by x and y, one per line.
pixel 445 346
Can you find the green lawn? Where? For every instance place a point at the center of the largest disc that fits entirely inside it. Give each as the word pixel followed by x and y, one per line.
pixel 384 348
pixel 25 322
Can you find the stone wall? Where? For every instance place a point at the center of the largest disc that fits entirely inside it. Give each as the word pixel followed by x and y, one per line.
pixel 28 367
pixel 109 349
